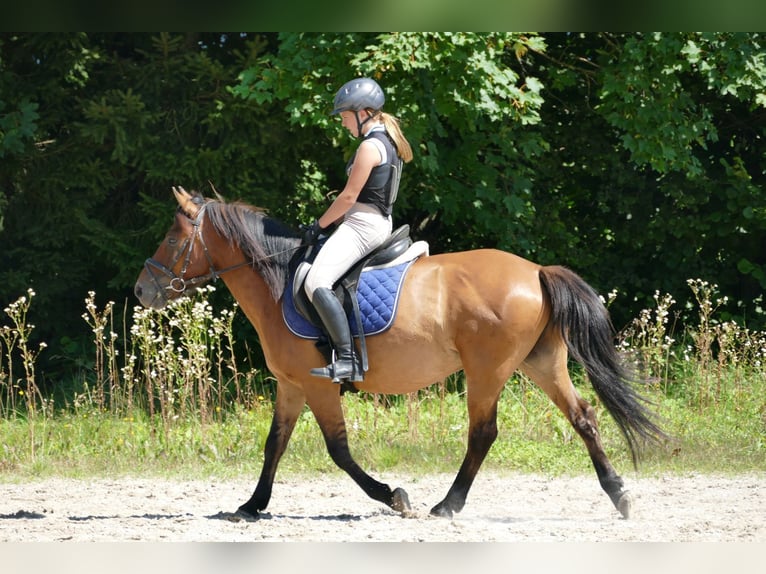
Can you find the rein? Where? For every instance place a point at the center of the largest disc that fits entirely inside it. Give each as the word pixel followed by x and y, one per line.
pixel 178 283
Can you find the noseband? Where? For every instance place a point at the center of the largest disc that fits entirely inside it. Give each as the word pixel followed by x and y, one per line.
pixel 178 283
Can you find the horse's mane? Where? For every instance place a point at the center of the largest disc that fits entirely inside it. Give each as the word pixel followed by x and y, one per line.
pixel 267 242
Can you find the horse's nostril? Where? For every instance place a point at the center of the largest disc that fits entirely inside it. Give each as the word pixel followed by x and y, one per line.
pixel 138 291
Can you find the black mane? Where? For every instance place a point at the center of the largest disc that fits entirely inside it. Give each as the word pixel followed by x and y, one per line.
pixel 267 242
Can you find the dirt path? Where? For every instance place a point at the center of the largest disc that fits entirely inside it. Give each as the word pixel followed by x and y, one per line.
pixel 511 508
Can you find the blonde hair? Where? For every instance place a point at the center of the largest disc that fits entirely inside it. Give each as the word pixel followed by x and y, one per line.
pixel 391 124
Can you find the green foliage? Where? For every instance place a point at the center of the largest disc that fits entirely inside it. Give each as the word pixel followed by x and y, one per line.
pixel 465 102
pixel 125 117
pixel 663 123
pixel 16 127
pixel 650 178
pixel 634 158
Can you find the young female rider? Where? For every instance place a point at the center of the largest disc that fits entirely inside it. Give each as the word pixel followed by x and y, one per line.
pixel 363 209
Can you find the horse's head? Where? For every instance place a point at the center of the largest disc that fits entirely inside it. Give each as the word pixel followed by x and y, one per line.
pixel 182 262
pixel 209 238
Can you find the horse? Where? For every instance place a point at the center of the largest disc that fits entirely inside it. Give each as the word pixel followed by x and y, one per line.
pixel 486 312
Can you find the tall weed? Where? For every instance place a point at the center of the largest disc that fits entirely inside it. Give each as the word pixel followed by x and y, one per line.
pixel 170 395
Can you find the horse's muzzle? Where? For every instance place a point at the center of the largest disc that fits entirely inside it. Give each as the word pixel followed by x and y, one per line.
pixel 148 289
pixel 148 296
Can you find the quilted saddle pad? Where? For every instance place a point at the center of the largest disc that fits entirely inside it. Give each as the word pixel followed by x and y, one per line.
pixel 378 297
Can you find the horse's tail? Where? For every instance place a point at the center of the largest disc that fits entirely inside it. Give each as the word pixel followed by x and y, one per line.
pixel 584 323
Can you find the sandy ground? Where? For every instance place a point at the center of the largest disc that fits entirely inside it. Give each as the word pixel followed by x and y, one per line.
pixel 500 508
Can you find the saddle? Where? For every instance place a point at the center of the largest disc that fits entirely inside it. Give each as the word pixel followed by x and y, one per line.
pixel 346 288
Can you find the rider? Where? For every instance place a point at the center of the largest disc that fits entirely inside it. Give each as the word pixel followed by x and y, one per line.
pixel 363 209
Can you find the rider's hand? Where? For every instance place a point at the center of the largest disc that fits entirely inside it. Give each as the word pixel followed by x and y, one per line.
pixel 311 233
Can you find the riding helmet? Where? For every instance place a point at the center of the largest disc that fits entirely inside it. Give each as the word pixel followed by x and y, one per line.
pixel 359 94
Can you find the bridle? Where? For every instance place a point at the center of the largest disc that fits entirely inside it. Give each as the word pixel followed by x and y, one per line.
pixel 178 283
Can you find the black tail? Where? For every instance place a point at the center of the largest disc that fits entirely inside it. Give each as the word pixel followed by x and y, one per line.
pixel 582 318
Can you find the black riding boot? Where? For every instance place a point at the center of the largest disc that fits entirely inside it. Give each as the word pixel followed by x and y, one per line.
pixel 346 366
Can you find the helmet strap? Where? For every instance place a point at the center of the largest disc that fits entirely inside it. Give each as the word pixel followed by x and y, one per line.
pixel 360 124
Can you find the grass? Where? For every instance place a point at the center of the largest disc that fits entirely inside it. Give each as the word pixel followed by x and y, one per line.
pixel 174 403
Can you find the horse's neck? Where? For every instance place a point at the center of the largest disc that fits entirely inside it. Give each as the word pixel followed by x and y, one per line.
pixel 253 297
pixel 249 287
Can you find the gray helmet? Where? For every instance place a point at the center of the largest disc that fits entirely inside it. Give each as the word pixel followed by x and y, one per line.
pixel 359 94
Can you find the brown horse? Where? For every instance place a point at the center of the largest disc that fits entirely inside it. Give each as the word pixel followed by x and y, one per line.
pixel 486 312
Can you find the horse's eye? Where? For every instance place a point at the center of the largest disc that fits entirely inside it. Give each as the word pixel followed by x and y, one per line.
pixel 172 240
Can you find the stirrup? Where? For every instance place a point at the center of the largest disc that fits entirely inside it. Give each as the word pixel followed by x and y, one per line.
pixel 329 372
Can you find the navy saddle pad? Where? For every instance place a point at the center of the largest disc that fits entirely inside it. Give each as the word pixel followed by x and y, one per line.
pixel 378 296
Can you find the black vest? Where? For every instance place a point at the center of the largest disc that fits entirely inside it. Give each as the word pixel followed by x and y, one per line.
pixel 382 186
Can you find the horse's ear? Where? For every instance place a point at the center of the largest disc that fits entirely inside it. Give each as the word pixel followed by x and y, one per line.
pixel 186 202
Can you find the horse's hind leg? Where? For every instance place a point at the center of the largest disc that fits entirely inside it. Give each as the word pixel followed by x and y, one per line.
pixel 547 367
pixel 324 401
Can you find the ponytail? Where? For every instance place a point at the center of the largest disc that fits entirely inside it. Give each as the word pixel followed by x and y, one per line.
pixel 403 147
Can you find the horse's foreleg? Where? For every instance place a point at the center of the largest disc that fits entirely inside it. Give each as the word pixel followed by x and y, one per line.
pixel 482 432
pixel 289 403
pixel 329 415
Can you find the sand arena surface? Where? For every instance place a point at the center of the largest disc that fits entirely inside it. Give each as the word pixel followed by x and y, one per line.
pixel 500 508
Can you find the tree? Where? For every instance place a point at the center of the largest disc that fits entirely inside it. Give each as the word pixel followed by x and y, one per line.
pixel 636 159
pixel 121 118
pixel 659 161
pixel 463 99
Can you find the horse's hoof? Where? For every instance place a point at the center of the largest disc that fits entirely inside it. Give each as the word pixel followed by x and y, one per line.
pixel 238 516
pixel 625 504
pixel 242 515
pixel 441 511
pixel 401 502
